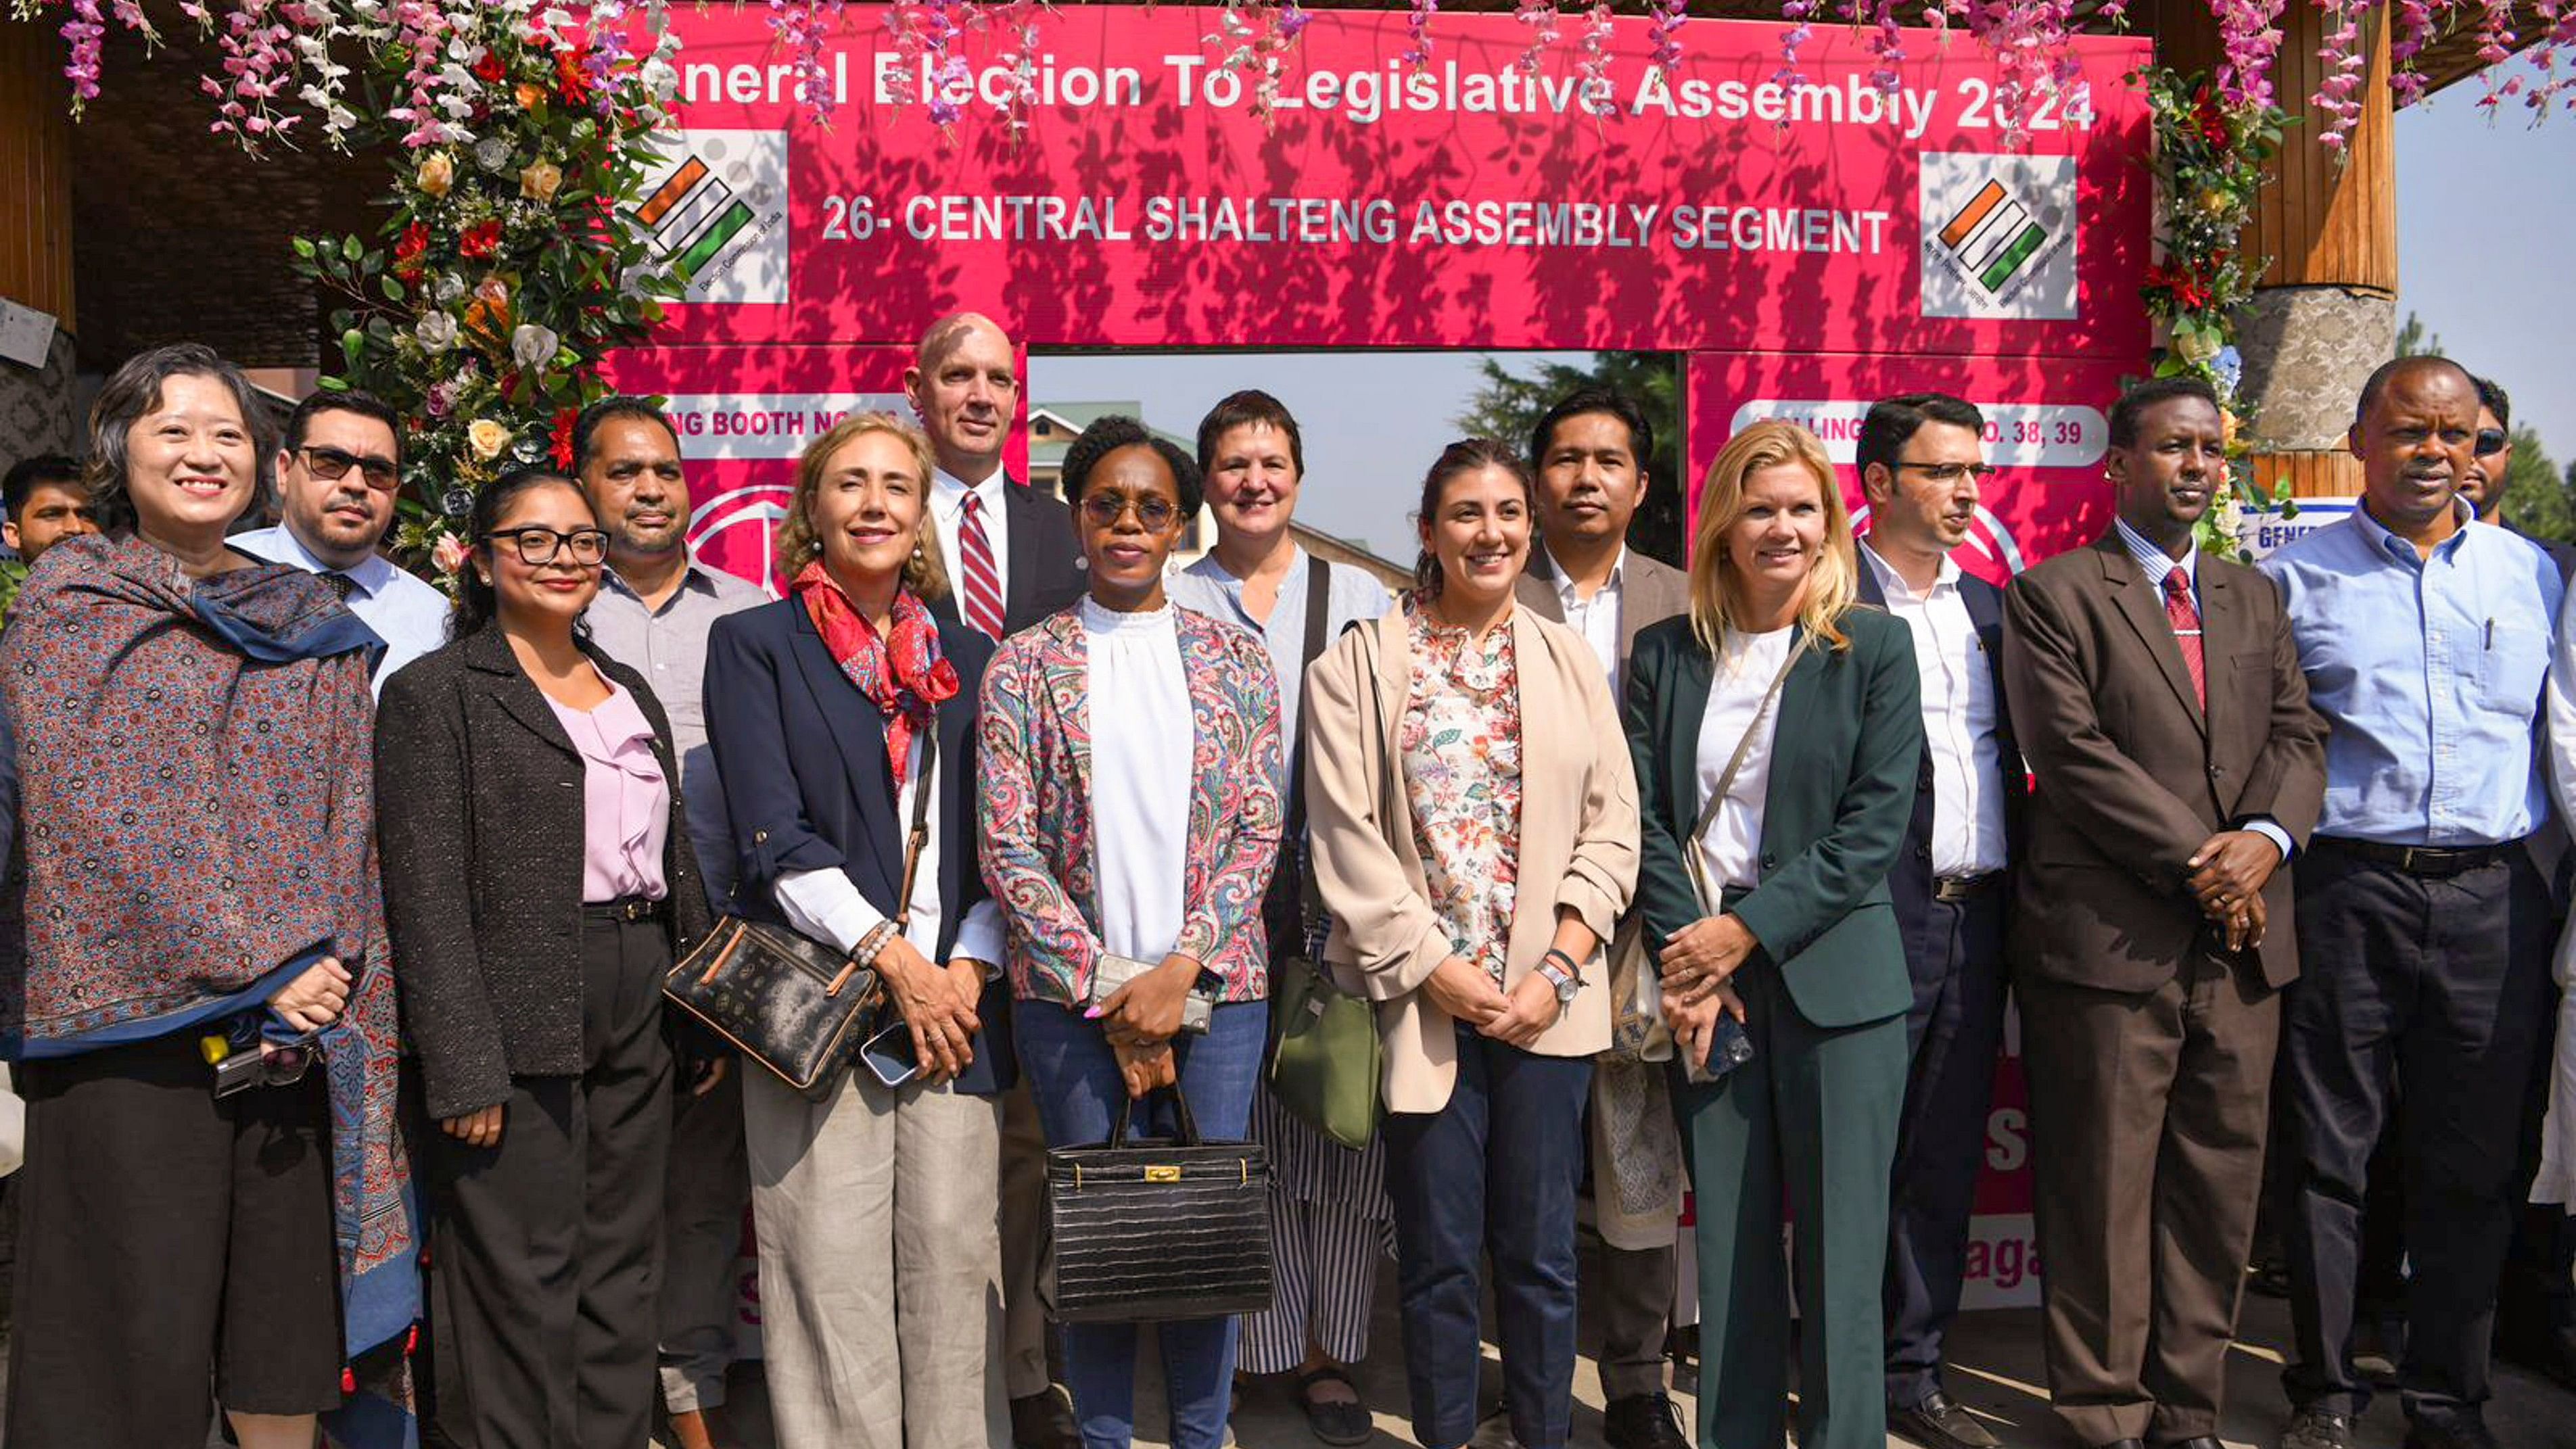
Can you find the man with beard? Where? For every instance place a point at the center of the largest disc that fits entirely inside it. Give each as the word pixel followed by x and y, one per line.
pixel 1921 457
pixel 655 606
pixel 2423 921
pixel 337 477
pixel 46 503
pixel 1589 455
pixel 2155 690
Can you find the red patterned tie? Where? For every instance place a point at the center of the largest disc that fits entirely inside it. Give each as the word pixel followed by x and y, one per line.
pixel 2185 618
pixel 983 592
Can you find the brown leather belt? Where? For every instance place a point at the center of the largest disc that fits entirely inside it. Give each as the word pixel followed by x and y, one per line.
pixel 1951 889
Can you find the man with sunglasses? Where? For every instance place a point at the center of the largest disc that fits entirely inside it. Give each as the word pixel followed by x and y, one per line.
pixel 2491 465
pixel 337 477
pixel 1922 458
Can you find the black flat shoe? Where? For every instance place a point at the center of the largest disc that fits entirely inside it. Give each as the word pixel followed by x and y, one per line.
pixel 1343 1423
pixel 1044 1420
pixel 1939 1423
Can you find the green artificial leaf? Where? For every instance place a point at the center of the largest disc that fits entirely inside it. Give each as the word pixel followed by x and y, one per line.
pixel 392 289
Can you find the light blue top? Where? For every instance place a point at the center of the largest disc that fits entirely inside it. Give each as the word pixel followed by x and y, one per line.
pixel 2158 565
pixel 1351 593
pixel 410 616
pixel 2429 672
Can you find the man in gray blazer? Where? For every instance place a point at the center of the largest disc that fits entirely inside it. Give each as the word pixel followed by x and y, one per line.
pixel 1589 454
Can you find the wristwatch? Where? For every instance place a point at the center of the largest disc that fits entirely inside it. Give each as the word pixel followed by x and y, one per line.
pixel 1566 978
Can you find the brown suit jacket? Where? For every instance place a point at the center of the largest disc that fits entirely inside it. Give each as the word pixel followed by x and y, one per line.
pixel 2133 775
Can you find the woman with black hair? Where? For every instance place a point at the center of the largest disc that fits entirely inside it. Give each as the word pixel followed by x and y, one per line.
pixel 540 885
pixel 1147 833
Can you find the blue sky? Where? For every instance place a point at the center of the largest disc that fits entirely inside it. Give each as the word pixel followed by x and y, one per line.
pixel 2486 223
pixel 2486 226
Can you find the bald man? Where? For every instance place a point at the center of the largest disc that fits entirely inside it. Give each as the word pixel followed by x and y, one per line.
pixel 2423 923
pixel 1009 549
pixel 1012 561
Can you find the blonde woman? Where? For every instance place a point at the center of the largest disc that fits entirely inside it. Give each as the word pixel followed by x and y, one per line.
pixel 1800 713
pixel 830 712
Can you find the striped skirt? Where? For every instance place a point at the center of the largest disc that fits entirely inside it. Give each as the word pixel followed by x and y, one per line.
pixel 1332 1226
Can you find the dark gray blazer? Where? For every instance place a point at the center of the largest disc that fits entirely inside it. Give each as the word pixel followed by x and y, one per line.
pixel 479 821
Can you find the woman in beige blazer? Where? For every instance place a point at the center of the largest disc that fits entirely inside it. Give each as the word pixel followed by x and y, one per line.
pixel 1473 819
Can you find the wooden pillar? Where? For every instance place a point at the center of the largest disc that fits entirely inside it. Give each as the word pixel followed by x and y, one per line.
pixel 2325 312
pixel 36 234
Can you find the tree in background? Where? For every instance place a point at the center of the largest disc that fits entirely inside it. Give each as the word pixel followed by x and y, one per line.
pixel 2539 500
pixel 1509 405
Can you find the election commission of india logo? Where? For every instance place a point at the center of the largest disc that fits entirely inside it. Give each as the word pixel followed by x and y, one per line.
pixel 1998 236
pixel 716 214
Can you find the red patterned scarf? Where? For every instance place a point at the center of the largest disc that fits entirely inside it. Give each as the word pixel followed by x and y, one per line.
pixel 905 676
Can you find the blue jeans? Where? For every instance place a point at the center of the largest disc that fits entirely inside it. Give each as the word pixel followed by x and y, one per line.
pixel 1493 1173
pixel 1075 1079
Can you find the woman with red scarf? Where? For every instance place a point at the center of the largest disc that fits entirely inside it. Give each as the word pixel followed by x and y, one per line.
pixel 832 712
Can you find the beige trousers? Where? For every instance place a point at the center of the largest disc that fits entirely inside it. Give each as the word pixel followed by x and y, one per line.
pixel 880 1269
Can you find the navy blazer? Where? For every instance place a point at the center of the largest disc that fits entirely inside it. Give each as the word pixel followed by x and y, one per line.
pixel 1909 882
pixel 809 786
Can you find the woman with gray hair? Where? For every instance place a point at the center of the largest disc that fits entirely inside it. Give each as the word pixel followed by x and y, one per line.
pixel 841 716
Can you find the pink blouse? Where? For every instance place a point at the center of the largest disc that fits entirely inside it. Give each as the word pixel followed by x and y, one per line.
pixel 626 804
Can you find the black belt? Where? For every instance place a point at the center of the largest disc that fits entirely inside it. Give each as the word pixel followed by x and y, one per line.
pixel 2426 860
pixel 1954 888
pixel 625 908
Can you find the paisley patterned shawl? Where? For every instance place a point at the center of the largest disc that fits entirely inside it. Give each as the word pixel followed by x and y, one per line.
pixel 197 808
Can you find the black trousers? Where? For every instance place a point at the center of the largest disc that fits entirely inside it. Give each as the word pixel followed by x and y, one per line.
pixel 1954 1031
pixel 169 1244
pixel 2425 996
pixel 545 1249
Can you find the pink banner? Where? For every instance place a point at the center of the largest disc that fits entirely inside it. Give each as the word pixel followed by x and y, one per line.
pixel 1465 203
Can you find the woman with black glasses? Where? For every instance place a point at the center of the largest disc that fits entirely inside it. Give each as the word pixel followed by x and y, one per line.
pixel 540 882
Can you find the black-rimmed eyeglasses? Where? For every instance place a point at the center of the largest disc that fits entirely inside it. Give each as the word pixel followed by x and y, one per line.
pixel 540 545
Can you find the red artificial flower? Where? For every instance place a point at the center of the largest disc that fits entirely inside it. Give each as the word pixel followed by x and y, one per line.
pixel 409 249
pixel 563 438
pixel 481 239
pixel 490 69
pixel 2188 293
pixel 571 81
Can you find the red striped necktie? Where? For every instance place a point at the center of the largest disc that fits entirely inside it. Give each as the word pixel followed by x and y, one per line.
pixel 2185 617
pixel 982 594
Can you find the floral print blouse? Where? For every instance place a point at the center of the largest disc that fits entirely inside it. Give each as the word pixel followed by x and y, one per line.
pixel 1461 743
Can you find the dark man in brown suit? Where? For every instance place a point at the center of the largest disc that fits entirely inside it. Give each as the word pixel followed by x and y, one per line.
pixel 2157 696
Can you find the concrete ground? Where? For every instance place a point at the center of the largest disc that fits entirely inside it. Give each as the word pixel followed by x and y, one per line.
pixel 1995 1371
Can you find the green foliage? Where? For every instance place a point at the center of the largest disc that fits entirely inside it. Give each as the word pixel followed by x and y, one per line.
pixel 2539 500
pixel 503 272
pixel 2414 341
pixel 1509 405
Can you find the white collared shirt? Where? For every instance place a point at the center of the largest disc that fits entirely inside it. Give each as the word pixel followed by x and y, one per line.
pixel 1960 719
pixel 948 507
pixel 410 616
pixel 1597 618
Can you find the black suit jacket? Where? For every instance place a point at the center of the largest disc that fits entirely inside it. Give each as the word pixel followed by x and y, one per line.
pixel 2134 774
pixel 809 785
pixel 1909 882
pixel 479 821
pixel 1044 571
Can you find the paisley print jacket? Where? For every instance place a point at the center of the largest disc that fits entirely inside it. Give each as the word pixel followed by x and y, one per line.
pixel 1035 805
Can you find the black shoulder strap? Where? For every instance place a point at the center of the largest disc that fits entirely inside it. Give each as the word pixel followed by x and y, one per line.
pixel 1318 603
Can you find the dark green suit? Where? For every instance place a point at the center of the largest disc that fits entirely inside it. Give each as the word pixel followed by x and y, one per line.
pixel 1814 1114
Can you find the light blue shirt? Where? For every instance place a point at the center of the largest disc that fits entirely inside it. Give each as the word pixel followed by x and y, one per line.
pixel 2429 672
pixel 1350 593
pixel 410 616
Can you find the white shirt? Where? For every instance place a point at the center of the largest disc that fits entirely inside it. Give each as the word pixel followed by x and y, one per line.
pixel 1596 618
pixel 1140 776
pixel 825 904
pixel 1731 851
pixel 948 506
pixel 1959 719
pixel 410 616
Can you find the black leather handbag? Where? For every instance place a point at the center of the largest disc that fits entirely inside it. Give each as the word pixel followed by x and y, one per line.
pixel 1141 1230
pixel 797 1008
